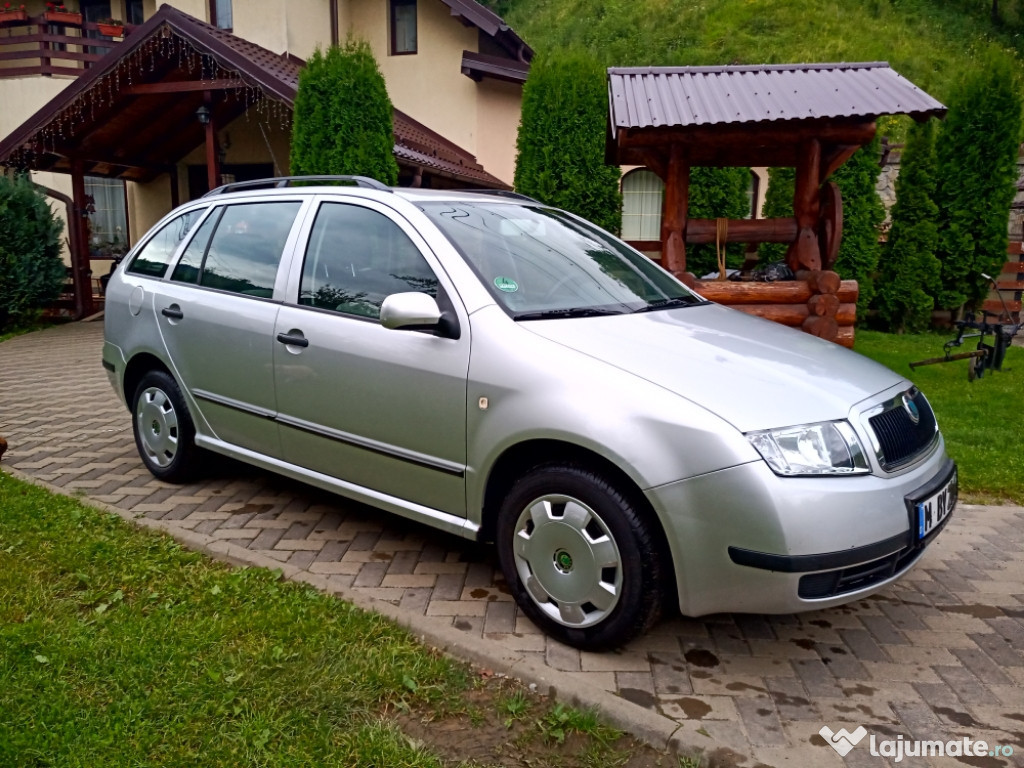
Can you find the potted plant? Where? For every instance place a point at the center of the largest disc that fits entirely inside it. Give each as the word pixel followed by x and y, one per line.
pixel 111 27
pixel 9 12
pixel 58 13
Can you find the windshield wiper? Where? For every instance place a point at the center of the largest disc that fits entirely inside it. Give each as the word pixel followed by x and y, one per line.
pixel 669 303
pixel 551 314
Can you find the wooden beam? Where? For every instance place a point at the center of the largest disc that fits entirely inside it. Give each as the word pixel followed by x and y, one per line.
pixel 743 230
pixel 804 252
pixel 675 205
pixel 212 163
pixel 835 158
pixel 182 86
pixel 80 270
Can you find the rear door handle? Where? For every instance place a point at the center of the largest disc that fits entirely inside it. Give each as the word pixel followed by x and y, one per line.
pixel 174 312
pixel 293 340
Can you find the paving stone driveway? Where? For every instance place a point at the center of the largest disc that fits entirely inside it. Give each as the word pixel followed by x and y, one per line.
pixel 938 656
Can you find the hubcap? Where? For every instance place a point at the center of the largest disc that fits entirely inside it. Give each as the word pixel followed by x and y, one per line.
pixel 158 426
pixel 568 560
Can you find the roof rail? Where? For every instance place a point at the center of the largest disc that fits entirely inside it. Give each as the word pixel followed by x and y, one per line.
pixel 287 181
pixel 501 193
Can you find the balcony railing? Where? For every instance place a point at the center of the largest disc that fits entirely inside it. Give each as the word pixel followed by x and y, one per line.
pixel 51 44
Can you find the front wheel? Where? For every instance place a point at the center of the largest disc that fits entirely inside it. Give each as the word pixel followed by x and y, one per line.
pixel 579 559
pixel 164 433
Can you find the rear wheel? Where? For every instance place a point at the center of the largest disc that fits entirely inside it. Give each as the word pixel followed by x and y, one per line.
pixel 164 433
pixel 579 558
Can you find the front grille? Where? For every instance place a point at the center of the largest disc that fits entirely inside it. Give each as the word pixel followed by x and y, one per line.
pixel 902 440
pixel 831 583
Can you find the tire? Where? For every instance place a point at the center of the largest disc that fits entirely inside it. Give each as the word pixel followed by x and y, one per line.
pixel 163 428
pixel 579 560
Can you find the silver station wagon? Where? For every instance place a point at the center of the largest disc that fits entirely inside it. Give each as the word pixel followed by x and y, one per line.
pixel 511 373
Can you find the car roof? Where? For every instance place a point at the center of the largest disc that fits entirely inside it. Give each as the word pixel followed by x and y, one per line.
pixel 359 186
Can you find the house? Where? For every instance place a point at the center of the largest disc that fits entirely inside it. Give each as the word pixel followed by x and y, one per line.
pixel 129 122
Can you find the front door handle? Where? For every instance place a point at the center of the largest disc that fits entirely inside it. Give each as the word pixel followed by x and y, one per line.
pixel 293 339
pixel 174 312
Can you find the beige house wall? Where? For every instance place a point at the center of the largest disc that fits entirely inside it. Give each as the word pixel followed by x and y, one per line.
pixel 498 109
pixel 147 204
pixel 428 85
pixel 22 97
pixel 308 25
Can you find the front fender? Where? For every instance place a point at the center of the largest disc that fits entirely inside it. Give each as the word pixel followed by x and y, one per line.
pixel 537 389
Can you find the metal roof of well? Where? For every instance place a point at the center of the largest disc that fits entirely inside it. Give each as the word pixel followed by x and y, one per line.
pixel 684 97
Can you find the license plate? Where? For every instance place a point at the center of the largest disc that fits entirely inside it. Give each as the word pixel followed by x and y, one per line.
pixel 936 508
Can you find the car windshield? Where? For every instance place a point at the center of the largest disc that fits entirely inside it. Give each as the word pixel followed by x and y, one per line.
pixel 542 263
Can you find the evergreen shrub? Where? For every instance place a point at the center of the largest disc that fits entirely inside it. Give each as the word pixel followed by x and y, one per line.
pixel 344 120
pixel 32 272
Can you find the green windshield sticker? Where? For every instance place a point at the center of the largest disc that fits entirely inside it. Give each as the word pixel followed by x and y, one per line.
pixel 506 284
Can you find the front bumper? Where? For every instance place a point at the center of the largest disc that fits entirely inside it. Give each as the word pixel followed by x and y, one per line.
pixel 747 540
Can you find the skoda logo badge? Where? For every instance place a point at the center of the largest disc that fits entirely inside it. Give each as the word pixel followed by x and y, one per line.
pixel 911 408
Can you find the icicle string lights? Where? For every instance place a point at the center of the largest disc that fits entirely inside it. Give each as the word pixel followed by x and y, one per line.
pixel 186 63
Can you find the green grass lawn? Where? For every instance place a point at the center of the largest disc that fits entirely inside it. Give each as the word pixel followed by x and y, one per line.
pixel 120 648
pixel 982 421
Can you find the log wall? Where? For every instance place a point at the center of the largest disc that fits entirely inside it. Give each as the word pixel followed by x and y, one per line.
pixel 818 303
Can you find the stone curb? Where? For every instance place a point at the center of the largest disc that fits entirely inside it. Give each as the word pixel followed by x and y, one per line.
pixel 650 727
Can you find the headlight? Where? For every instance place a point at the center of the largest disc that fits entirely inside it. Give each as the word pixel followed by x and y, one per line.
pixel 828 448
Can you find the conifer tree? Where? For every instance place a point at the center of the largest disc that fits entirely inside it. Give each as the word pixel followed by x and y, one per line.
pixel 561 139
pixel 976 170
pixel 909 271
pixel 343 121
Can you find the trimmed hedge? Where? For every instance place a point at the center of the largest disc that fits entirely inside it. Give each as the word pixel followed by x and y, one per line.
pixel 343 120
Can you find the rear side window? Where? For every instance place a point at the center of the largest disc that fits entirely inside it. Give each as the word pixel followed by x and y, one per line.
pixel 191 262
pixel 155 255
pixel 239 248
pixel 356 258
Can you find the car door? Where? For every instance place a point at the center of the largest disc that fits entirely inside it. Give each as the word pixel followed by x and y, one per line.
pixel 217 312
pixel 383 409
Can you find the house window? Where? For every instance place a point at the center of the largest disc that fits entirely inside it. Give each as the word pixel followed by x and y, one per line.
pixel 134 10
pixel 403 27
pixel 642 192
pixel 108 223
pixel 220 13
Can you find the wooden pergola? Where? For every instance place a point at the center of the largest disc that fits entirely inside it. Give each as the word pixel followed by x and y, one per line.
pixel 811 117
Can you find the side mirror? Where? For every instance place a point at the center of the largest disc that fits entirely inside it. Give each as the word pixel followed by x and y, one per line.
pixel 409 310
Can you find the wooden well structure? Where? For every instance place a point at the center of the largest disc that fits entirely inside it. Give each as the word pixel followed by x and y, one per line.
pixel 811 117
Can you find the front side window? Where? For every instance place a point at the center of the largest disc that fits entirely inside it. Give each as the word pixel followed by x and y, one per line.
pixel 246 247
pixel 156 254
pixel 356 258
pixel 543 263
pixel 403 26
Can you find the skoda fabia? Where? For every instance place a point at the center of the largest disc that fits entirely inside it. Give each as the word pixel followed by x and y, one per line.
pixel 508 372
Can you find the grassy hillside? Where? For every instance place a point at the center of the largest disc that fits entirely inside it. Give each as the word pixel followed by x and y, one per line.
pixel 931 42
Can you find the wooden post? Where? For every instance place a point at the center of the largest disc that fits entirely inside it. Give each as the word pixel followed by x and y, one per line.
pixel 804 252
pixel 212 163
pixel 674 211
pixel 80 268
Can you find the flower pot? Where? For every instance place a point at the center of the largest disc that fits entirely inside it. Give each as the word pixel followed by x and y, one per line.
pixel 63 17
pixel 13 16
pixel 110 30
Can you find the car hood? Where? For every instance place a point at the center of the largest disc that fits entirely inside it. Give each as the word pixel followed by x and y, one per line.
pixel 753 373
